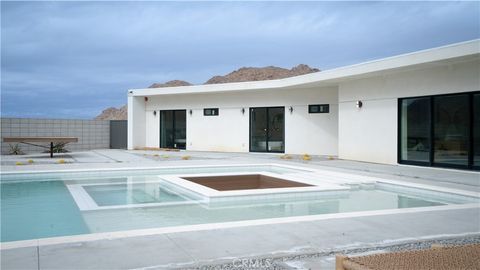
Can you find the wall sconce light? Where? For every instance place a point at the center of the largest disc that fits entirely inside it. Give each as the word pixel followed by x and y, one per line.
pixel 243 110
pixel 146 99
pixel 190 112
pixel 290 109
pixel 154 113
pixel 359 104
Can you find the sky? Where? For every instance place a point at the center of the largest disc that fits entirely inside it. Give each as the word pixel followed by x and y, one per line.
pixel 74 59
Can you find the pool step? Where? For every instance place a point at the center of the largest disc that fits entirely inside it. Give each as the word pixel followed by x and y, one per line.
pixel 335 178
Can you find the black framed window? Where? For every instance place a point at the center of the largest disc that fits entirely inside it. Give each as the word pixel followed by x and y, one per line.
pixel 210 112
pixel 319 108
pixel 476 130
pixel 440 130
pixel 415 140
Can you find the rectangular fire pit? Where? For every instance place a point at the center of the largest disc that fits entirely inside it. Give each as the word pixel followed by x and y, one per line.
pixel 242 182
pixel 254 186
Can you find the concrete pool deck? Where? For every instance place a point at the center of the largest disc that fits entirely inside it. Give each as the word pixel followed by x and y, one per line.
pixel 209 247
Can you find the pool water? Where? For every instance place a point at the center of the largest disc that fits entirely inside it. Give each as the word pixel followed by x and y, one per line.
pixel 39 209
pixel 122 194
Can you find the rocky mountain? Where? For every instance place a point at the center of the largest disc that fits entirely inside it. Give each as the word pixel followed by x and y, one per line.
pixel 261 74
pixel 113 113
pixel 239 75
pixel 170 84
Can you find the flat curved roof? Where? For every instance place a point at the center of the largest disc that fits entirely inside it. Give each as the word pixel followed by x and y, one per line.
pixel 458 52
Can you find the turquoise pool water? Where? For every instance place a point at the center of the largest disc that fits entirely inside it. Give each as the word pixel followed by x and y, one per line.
pixel 36 209
pixel 122 194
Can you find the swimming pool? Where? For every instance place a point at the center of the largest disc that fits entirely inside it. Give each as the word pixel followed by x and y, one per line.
pixel 43 205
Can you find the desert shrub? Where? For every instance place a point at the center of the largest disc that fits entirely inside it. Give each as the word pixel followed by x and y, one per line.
pixel 15 149
pixel 59 147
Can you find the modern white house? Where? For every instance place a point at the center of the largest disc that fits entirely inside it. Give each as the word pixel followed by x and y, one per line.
pixel 420 108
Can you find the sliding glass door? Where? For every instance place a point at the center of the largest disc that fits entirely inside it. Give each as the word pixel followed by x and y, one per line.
pixel 451 130
pixel 476 131
pixel 415 130
pixel 267 125
pixel 173 129
pixel 441 131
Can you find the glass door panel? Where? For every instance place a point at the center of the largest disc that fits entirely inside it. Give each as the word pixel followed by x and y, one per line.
pixel 451 130
pixel 267 129
pixel 180 140
pixel 258 129
pixel 276 129
pixel 173 129
pixel 166 129
pixel 415 130
pixel 476 130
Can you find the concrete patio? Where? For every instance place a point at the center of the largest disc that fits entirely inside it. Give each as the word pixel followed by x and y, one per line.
pixel 297 245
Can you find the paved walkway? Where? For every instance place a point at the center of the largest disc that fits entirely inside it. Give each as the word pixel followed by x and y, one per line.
pixel 217 246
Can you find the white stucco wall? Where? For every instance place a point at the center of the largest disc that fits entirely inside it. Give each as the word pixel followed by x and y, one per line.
pixel 370 133
pixel 136 122
pixel 304 133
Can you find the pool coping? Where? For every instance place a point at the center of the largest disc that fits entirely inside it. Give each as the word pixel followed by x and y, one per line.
pixel 159 167
pixel 222 225
pixel 244 223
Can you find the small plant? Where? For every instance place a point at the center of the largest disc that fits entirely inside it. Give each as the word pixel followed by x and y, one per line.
pixel 156 155
pixel 15 149
pixel 30 161
pixel 186 157
pixel 18 163
pixel 59 147
pixel 61 161
pixel 165 156
pixel 331 157
pixel 306 157
pixel 286 156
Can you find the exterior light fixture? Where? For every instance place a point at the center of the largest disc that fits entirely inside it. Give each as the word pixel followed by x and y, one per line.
pixel 154 113
pixel 359 104
pixel 146 99
pixel 190 112
pixel 290 109
pixel 243 110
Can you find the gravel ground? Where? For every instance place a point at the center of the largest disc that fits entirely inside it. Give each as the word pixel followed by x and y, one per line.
pixel 278 263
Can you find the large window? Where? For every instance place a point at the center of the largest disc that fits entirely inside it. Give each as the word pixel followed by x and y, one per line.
pixel 476 131
pixel 451 129
pixel 442 131
pixel 415 137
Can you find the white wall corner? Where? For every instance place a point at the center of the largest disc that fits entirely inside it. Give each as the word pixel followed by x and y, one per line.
pixel 136 122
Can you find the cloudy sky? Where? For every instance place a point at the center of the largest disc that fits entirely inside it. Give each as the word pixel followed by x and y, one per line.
pixel 73 59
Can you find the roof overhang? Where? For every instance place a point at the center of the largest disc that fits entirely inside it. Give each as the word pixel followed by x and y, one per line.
pixel 445 55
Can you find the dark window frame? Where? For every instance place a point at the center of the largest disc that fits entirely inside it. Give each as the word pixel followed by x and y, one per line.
pixel 431 162
pixel 327 106
pixel 267 126
pixel 174 127
pixel 213 112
